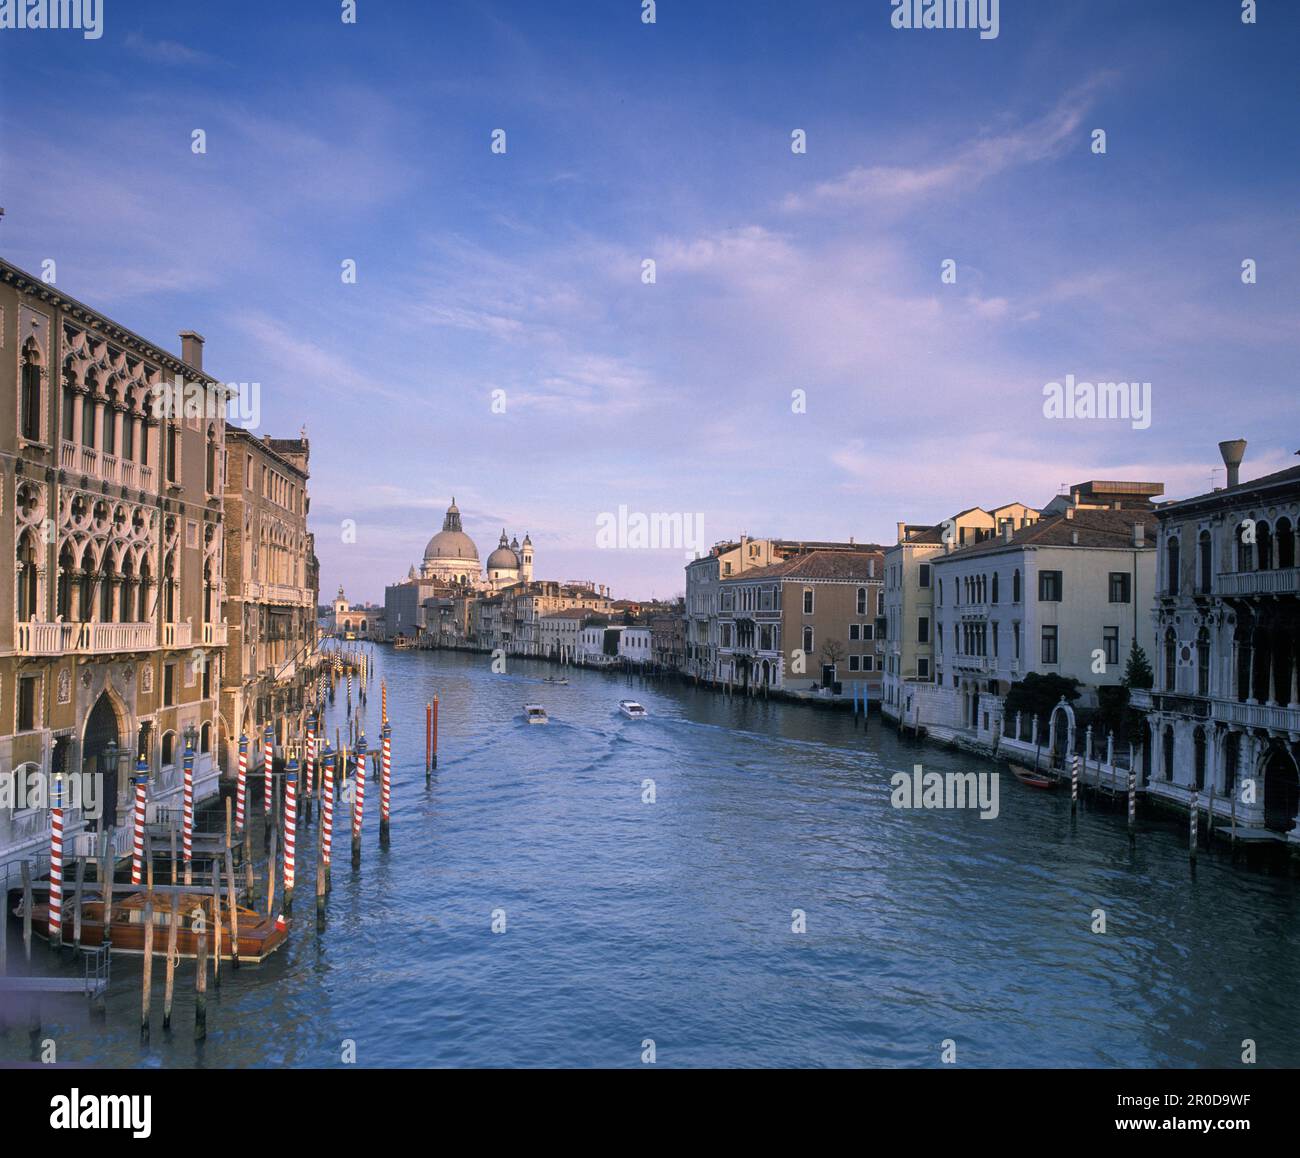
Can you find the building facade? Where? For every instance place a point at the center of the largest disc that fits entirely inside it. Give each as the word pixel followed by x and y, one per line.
pixel 909 593
pixel 271 581
pixel 805 624
pixel 111 466
pixel 1224 717
pixel 1066 595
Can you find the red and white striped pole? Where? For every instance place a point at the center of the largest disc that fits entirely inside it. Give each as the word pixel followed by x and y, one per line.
pixel 56 866
pixel 327 808
pixel 310 770
pixel 358 798
pixel 187 813
pixel 385 783
pixel 141 781
pixel 290 838
pixel 241 784
pixel 268 759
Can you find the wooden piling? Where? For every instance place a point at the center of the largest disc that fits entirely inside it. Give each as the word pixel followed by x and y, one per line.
pixel 1209 823
pixel 216 926
pixel 201 982
pixel 106 885
pixel 146 976
pixel 27 911
pixel 169 987
pixel 270 876
pixel 78 887
pixel 250 880
pixel 234 910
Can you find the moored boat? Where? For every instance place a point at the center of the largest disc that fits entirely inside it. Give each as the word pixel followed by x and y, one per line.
pixel 1031 779
pixel 259 935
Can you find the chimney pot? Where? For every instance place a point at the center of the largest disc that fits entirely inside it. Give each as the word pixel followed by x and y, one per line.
pixel 1008 529
pixel 1139 534
pixel 902 532
pixel 192 349
pixel 1233 451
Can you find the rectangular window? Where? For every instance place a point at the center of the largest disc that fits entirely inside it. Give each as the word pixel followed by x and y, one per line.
pixel 923 629
pixel 87 423
pixel 1120 586
pixel 924 575
pixel 854 664
pixel 868 663
pixel 1110 641
pixel 862 601
pixel 1049 586
pixel 868 631
pixel 1015 636
pixel 1049 644
pixel 69 416
pixel 28 695
pixel 923 668
pixel 807 601
pixel 169 684
pixel 853 632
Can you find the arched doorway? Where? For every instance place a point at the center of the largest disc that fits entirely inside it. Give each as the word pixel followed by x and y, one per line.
pixel 102 729
pixel 1281 789
pixel 1061 733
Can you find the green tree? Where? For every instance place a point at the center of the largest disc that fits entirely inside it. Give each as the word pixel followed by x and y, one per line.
pixel 1036 695
pixel 1137 672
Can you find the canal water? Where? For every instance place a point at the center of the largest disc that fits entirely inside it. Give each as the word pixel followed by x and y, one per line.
pixel 627 921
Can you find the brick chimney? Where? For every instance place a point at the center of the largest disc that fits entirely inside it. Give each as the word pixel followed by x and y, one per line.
pixel 192 349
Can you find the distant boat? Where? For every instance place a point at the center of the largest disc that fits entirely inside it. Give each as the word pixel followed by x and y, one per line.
pixel 535 714
pixel 558 681
pixel 403 643
pixel 1031 779
pixel 632 710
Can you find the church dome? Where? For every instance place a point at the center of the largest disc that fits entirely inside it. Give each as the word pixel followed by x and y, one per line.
pixel 451 542
pixel 503 558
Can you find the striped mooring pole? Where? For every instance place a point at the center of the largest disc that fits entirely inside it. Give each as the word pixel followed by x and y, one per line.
pixel 386 782
pixel 327 808
pixel 187 813
pixel 55 929
pixel 1132 798
pixel 358 798
pixel 141 782
pixel 1074 784
pixel 241 784
pixel 309 771
pixel 268 761
pixel 383 702
pixel 1193 822
pixel 290 837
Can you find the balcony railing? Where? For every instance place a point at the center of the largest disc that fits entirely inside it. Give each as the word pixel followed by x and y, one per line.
pixel 83 638
pixel 124 472
pixel 214 635
pixel 1286 582
pixel 1272 716
pixel 178 634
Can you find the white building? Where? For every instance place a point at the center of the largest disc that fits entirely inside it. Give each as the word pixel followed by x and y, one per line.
pixel 598 643
pixel 909 596
pixel 634 644
pixel 1067 595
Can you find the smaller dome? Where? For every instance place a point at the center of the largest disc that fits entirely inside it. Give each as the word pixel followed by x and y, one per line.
pixel 503 558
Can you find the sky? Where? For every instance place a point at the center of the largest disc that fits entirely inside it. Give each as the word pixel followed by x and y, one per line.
pixel 501 342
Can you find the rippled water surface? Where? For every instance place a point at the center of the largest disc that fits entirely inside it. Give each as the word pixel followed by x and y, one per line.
pixel 672 920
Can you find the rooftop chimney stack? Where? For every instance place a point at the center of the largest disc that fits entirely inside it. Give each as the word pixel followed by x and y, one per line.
pixel 902 532
pixel 192 349
pixel 1139 534
pixel 1008 529
pixel 1233 451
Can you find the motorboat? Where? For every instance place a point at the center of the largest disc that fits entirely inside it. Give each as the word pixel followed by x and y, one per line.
pixel 535 714
pixel 632 710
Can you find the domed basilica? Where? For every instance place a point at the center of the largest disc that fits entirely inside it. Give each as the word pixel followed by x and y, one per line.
pixel 452 558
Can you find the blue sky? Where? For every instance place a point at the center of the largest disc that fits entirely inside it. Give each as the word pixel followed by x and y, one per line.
pixel 775 271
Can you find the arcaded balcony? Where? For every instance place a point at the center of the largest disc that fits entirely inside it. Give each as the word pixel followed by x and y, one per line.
pixel 83 638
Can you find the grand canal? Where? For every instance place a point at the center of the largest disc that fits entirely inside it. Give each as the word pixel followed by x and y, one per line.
pixel 626 920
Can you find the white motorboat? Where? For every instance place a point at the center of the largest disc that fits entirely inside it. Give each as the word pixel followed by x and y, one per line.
pixel 632 710
pixel 535 714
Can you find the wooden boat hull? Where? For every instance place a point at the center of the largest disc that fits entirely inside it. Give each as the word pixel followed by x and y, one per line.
pixel 258 936
pixel 1032 779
